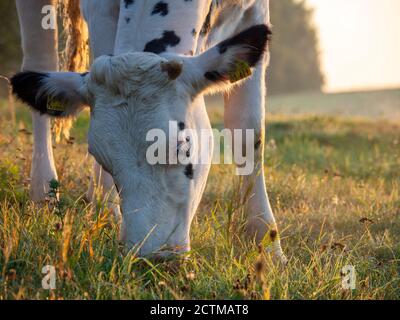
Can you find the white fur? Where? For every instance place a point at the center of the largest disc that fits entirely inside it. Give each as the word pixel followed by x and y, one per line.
pixel 158 202
pixel 183 17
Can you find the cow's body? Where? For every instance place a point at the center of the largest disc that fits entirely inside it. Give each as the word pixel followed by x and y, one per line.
pixel 186 27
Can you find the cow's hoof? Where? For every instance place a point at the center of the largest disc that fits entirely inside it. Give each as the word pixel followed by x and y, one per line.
pixel 40 191
pixel 281 258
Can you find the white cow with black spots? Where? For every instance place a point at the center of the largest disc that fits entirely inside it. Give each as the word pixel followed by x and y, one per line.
pixel 155 60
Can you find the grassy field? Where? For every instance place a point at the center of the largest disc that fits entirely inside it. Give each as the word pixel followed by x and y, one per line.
pixel 333 182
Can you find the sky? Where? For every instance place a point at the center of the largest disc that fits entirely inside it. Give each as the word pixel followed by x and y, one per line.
pixel 359 43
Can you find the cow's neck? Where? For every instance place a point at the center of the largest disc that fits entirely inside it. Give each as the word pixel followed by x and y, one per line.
pixel 158 27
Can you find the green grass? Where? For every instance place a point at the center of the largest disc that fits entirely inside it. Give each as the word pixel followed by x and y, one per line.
pixel 333 183
pixel 382 104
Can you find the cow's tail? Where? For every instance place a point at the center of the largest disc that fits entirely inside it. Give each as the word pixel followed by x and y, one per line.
pixel 74 53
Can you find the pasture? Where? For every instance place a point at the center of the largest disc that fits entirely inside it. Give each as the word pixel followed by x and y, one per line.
pixel 333 176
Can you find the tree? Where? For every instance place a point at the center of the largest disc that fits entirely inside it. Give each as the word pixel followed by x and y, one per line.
pixel 10 43
pixel 295 64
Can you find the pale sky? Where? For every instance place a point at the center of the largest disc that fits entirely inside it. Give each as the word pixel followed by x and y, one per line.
pixel 359 43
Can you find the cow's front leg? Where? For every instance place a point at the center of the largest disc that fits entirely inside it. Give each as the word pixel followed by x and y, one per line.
pixel 40 53
pixel 43 169
pixel 245 109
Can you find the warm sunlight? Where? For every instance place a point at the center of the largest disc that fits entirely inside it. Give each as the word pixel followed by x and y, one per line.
pixel 360 43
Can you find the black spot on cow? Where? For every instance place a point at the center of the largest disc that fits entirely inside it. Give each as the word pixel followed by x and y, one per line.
pixel 181 125
pixel 160 8
pixel 214 76
pixel 255 38
pixel 157 46
pixel 189 171
pixel 257 145
pixel 128 3
pixel 127 19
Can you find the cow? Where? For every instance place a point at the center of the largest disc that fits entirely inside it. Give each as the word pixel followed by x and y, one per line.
pixel 154 62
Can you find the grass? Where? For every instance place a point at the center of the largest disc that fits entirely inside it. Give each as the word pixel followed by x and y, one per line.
pixel 374 104
pixel 381 104
pixel 333 183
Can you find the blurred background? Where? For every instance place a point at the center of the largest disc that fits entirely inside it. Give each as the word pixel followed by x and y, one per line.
pixel 327 57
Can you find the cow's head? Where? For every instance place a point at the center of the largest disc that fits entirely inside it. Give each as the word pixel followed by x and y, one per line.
pixel 131 94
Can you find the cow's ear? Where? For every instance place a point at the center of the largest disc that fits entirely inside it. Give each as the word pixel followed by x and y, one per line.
pixel 229 62
pixel 59 94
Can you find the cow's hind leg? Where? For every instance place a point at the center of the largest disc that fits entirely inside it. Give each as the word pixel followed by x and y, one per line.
pixel 40 53
pixel 102 20
pixel 245 109
pixel 102 188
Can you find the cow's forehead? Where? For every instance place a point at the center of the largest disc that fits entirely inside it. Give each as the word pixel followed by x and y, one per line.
pixel 130 74
pixel 140 60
